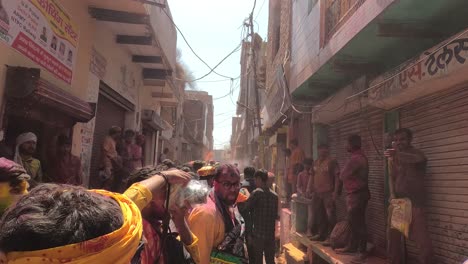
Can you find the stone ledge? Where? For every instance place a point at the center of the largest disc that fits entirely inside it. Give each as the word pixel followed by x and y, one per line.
pixel 327 253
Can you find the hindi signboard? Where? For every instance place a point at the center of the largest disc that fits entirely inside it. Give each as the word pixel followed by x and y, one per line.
pixel 42 31
pixel 435 63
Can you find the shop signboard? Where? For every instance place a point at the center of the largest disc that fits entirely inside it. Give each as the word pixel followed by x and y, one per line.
pixel 42 31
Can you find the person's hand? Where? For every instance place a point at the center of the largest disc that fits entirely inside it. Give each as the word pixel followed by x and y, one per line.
pixel 389 153
pixel 178 214
pixel 245 192
pixel 177 176
pixel 392 197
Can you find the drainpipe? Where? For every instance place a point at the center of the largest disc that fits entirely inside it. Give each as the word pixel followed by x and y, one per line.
pixel 156 149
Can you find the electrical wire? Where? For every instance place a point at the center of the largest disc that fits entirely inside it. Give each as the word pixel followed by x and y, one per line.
pixel 225 113
pixel 224 120
pixel 224 80
pixel 212 70
pixel 231 91
pixel 260 10
pixel 367 121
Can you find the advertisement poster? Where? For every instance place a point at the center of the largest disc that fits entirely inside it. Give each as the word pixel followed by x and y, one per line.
pixel 42 31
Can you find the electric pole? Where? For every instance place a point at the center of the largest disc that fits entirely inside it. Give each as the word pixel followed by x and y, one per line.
pixel 255 87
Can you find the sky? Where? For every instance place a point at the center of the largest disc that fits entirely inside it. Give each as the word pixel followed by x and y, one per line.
pixel 213 28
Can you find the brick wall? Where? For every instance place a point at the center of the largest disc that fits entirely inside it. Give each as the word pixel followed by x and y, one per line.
pixel 280 13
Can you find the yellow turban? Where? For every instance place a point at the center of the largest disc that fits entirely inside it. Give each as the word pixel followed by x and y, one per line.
pixel 117 247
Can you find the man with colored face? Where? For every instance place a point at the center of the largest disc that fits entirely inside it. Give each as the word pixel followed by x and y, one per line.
pixel 218 219
pixel 355 177
pixel 407 181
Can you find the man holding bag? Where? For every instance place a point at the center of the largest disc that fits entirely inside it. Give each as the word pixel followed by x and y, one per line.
pixel 407 181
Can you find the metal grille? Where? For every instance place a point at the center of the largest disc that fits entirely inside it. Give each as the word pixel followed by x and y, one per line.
pixel 440 127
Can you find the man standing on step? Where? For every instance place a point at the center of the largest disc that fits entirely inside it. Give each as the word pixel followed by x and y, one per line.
pixel 327 187
pixel 355 177
pixel 407 181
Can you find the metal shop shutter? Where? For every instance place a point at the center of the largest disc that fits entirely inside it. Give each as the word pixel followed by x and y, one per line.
pixel 440 127
pixel 108 114
pixel 368 123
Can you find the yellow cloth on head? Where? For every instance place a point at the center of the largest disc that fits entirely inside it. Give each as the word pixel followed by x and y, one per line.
pixel 207 171
pixel 117 247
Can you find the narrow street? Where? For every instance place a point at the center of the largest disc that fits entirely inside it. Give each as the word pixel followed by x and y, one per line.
pixel 248 131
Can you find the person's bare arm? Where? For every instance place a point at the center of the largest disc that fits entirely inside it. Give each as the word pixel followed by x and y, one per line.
pixel 409 157
pixel 157 184
pixel 310 185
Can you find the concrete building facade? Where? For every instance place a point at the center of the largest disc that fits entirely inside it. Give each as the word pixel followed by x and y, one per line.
pixel 105 64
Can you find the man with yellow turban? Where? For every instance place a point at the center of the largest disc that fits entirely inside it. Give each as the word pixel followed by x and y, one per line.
pixel 69 224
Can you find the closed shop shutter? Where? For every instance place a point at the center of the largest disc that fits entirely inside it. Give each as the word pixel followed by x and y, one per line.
pixel 108 114
pixel 369 125
pixel 440 127
pixel 304 134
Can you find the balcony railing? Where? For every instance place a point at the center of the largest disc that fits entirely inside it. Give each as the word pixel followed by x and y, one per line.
pixel 337 12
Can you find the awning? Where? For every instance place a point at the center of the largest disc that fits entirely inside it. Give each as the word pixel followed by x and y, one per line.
pixel 25 86
pixel 153 120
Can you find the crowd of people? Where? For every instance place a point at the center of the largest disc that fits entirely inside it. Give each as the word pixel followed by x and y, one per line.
pixel 133 218
pixel 321 182
pixel 130 218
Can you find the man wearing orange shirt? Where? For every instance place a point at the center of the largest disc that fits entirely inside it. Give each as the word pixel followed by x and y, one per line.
pixel 217 221
pixel 297 157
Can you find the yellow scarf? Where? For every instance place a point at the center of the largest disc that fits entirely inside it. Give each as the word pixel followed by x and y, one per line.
pixel 117 247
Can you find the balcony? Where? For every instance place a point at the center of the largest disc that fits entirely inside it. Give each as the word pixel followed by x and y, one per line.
pixel 146 31
pixel 337 41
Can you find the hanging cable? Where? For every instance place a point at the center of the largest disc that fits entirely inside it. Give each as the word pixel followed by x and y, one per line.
pixel 212 70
